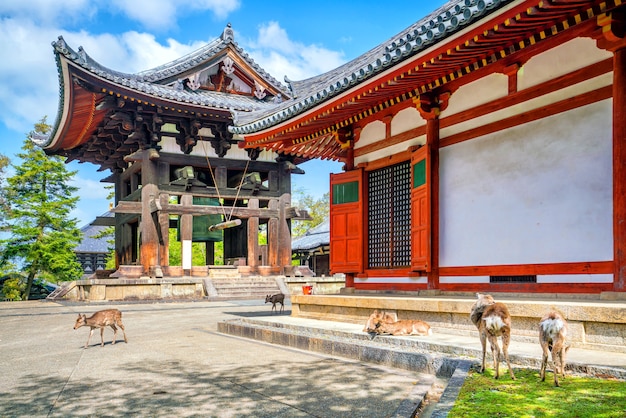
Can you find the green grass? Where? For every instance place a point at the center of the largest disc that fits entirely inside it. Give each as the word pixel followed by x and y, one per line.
pixel 483 396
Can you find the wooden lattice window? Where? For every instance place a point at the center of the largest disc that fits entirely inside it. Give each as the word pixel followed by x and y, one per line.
pixel 389 209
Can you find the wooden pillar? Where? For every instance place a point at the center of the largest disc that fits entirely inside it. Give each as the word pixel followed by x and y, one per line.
pixel 210 253
pixel 272 236
pixel 164 224
pixel 432 139
pixel 186 235
pixel 149 251
pixel 430 107
pixel 253 237
pixel 619 168
pixel 614 39
pixel 284 234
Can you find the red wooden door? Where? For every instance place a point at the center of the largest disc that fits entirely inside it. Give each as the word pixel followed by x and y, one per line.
pixel 420 210
pixel 346 222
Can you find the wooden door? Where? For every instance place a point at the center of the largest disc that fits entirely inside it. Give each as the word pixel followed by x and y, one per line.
pixel 420 210
pixel 346 222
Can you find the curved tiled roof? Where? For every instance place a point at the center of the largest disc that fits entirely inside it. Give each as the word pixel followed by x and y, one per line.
pixel 315 237
pixel 147 82
pixel 443 22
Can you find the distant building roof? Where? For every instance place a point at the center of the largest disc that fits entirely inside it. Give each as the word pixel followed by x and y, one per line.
pixel 89 244
pixel 316 237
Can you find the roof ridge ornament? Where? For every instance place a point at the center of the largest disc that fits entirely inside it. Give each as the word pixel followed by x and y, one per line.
pixel 228 34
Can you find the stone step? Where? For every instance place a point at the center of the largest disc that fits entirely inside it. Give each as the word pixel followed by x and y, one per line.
pixel 438 354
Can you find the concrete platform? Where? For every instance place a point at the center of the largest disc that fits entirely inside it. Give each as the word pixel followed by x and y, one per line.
pixel 176 364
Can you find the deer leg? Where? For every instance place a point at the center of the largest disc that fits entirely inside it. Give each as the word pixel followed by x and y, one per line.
pixel 114 333
pixel 483 342
pixel 495 350
pixel 558 360
pixel 544 361
pixel 102 336
pixel 89 338
pixel 506 339
pixel 123 330
pixel 282 307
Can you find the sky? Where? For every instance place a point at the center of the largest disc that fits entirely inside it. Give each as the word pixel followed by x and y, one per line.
pixel 297 39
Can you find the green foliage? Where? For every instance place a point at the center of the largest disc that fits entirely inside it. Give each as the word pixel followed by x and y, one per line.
pixel 39 198
pixel 318 209
pixel 12 289
pixel 4 162
pixel 198 250
pixel 483 396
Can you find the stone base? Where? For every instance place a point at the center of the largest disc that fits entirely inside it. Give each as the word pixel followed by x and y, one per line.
pixel 592 323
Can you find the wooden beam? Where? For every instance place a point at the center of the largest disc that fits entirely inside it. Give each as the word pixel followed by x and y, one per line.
pixel 177 209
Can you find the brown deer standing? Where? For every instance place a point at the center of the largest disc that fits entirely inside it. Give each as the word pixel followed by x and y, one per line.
pixel 552 334
pixel 102 319
pixel 274 299
pixel 493 320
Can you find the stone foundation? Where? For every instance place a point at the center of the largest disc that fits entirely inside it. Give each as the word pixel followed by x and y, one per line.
pixel 594 324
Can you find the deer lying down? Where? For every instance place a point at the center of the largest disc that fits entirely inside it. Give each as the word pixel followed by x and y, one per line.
pixel 493 320
pixel 102 319
pixel 376 316
pixel 403 327
pixel 552 334
pixel 274 299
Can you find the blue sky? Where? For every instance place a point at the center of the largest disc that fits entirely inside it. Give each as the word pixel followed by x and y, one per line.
pixel 297 39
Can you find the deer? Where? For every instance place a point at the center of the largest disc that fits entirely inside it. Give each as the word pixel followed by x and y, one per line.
pixel 102 319
pixel 552 334
pixel 274 299
pixel 376 316
pixel 493 320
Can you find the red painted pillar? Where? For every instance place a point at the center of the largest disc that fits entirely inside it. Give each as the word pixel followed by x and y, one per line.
pixel 613 38
pixel 432 138
pixel 619 168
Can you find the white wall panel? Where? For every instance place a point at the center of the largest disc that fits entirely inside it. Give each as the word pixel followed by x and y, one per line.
pixel 565 58
pixel 538 193
pixel 405 120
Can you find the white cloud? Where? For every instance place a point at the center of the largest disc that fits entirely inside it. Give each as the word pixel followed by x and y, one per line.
pixel 160 14
pixel 277 54
pixel 46 12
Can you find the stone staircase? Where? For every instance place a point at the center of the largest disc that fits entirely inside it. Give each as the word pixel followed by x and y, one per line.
pixel 226 283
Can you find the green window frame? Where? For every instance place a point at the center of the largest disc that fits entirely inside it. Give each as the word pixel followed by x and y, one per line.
pixel 346 192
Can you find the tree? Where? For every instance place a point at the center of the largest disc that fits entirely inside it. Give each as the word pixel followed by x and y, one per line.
pixel 318 209
pixel 39 199
pixel 4 162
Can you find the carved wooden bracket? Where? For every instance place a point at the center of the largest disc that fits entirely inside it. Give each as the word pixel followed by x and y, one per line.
pixel 613 26
pixel 431 104
pixel 344 137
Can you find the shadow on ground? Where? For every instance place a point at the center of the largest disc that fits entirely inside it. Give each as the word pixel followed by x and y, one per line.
pixel 176 389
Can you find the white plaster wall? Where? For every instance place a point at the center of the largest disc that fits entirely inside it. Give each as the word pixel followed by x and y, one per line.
pixel 481 91
pixel 390 150
pixel 565 58
pixel 371 133
pixel 405 120
pixel 538 193
pixel 535 103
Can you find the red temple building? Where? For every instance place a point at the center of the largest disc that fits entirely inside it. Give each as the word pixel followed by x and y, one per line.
pixel 484 149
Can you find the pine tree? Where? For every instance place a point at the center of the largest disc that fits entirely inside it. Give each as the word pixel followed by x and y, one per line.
pixel 39 199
